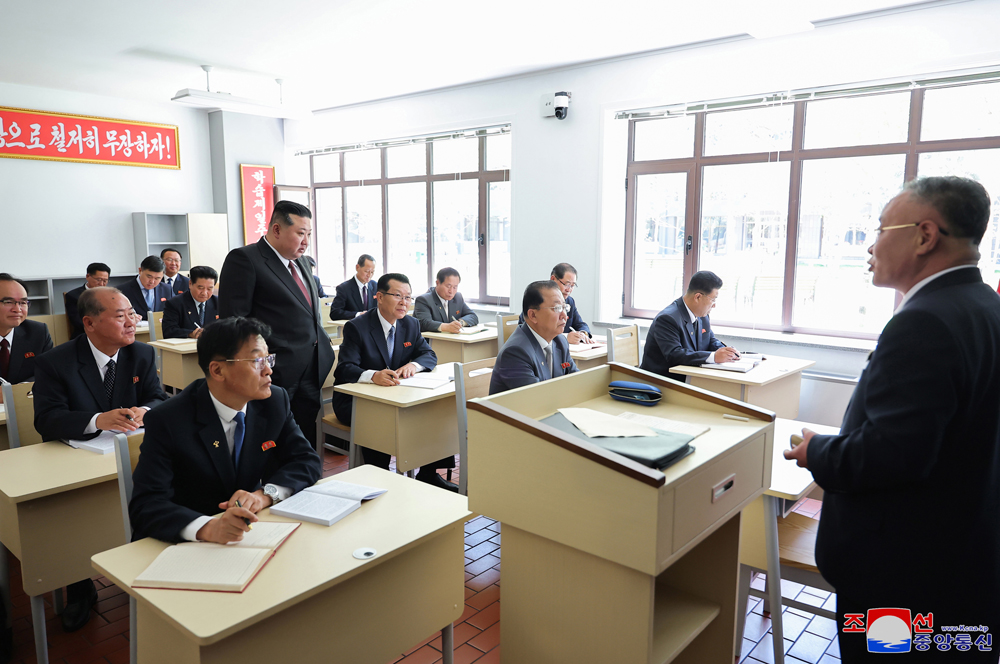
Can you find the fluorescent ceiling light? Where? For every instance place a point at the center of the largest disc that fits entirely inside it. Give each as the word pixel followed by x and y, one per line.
pixel 222 101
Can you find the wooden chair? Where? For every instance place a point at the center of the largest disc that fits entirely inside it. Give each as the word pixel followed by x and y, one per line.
pixel 623 345
pixel 468 387
pixel 328 422
pixel 126 458
pixel 155 325
pixel 505 327
pixel 20 417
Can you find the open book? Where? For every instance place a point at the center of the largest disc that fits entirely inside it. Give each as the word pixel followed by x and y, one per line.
pixel 426 380
pixel 475 329
pixel 219 567
pixel 104 443
pixel 741 365
pixel 326 503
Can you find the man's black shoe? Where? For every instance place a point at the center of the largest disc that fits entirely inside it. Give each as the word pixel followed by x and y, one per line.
pixel 81 597
pixel 432 478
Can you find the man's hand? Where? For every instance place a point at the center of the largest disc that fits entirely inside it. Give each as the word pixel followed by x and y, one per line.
pixel 227 528
pixel 407 370
pixel 252 502
pixel 386 378
pixel 727 354
pixel 452 328
pixel 138 413
pixel 578 338
pixel 800 451
pixel 119 419
pixel 196 333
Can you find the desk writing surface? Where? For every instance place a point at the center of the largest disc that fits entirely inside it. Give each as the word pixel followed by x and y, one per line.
pixel 787 479
pixel 31 472
pixel 588 351
pixel 182 346
pixel 313 559
pixel 485 334
pixel 768 371
pixel 399 395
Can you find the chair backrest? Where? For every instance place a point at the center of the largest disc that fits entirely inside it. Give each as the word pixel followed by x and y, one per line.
pixel 155 325
pixel 469 386
pixel 20 417
pixel 49 321
pixel 623 345
pixel 126 458
pixel 505 327
pixel 324 308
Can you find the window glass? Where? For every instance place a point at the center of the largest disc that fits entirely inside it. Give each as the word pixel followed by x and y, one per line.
pixel 407 233
pixel 326 167
pixel 498 249
pixel 406 160
pixel 966 111
pixel 455 155
pixel 669 138
pixel 658 261
pixel 329 234
pixel 363 213
pixel 363 165
pixel 765 129
pixel 456 230
pixel 870 120
pixel 498 152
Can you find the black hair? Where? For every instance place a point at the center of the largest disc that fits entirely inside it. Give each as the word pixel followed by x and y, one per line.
pixel 9 277
pixel 704 282
pixel 94 268
pixel 176 251
pixel 963 204
pixel 364 257
pixel 152 263
pixel 225 337
pixel 203 272
pixel 282 210
pixel 446 272
pixel 533 296
pixel 383 282
pixel 560 270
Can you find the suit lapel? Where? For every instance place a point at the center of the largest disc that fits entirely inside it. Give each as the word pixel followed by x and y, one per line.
pixel 213 438
pixel 89 372
pixel 280 270
pixel 17 351
pixel 375 329
pixel 539 354
pixel 124 392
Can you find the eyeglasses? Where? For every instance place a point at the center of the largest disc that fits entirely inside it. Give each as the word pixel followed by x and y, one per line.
pixel 571 285
pixel 399 296
pixel 559 308
pixel 11 303
pixel 259 362
pixel 878 231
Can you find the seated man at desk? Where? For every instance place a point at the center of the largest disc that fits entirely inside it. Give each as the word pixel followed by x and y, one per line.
pixel 536 350
pixel 97 382
pixel 227 443
pixel 682 334
pixel 355 296
pixel 186 315
pixel 147 293
pixel 21 340
pixel 97 275
pixel 442 308
pixel 175 282
pixel 576 331
pixel 381 348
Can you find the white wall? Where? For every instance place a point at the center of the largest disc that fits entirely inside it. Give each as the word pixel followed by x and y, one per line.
pixel 60 216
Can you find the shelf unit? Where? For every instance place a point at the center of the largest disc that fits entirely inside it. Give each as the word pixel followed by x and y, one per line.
pixel 202 238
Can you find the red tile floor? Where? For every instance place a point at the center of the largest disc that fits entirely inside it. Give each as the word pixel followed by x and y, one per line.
pixel 808 638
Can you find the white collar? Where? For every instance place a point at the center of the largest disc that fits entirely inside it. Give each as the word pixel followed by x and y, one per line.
pixel 100 357
pixel 225 413
pixel 923 282
pixel 386 325
pixel 541 342
pixel 690 313
pixel 358 282
pixel 444 302
pixel 10 337
pixel 284 261
pixel 138 280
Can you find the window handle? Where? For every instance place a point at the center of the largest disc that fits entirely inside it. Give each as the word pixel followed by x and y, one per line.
pixel 482 239
pixel 688 245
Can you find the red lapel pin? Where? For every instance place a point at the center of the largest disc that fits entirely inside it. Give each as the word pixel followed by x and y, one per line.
pixel 565 365
pixel 266 446
pixel 703 330
pixel 27 355
pixel 135 379
pixel 406 344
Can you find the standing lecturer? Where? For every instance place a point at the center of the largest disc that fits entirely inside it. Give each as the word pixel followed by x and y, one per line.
pixel 912 482
pixel 272 282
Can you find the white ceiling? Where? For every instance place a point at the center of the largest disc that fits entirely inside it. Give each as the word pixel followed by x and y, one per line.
pixel 341 52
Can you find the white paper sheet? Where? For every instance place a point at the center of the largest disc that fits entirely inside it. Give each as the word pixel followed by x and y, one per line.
pixel 596 424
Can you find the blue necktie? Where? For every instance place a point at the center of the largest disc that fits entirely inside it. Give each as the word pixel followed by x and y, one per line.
pixel 170 284
pixel 238 437
pixel 390 341
pixel 149 298
pixel 201 314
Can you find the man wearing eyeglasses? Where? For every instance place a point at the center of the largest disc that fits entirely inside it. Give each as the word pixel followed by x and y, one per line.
pixel 98 274
pixel 356 296
pixel 442 308
pixel 100 381
pixel 536 350
pixel 912 482
pixel 21 340
pixel 228 438
pixel 576 331
pixel 381 348
pixel 682 334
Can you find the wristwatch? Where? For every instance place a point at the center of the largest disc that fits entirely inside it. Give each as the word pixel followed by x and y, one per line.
pixel 271 491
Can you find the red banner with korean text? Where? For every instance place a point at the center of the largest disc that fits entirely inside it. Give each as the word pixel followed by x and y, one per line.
pixel 28 134
pixel 257 187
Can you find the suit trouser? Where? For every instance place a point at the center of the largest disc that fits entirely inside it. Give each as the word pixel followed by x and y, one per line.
pixel 306 398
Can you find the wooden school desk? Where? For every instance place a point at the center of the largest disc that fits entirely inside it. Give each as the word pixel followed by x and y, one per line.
pixel 142 332
pixel 589 356
pixel 179 364
pixel 413 424
pixel 464 348
pixel 606 560
pixel 773 384
pixel 4 443
pixel 58 507
pixel 315 602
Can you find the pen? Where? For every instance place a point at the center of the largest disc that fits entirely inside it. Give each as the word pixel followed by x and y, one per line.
pixel 197 326
pixel 246 521
pixel 127 416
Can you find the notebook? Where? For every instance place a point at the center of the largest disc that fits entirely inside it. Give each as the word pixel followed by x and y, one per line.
pixel 216 567
pixel 326 503
pixel 427 381
pixel 741 365
pixel 658 451
pixel 103 443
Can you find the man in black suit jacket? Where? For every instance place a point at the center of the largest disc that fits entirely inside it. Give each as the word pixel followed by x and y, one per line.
pixel 356 295
pixel 187 314
pixel 682 333
pixel 442 308
pixel 575 329
pixel 147 292
pixel 382 347
pixel 21 340
pixel 97 275
pixel 175 282
pixel 912 482
pixel 98 382
pixel 260 284
pixel 537 350
pixel 184 475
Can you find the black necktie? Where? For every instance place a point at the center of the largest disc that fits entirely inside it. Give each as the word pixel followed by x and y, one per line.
pixel 170 284
pixel 201 314
pixel 4 357
pixel 109 381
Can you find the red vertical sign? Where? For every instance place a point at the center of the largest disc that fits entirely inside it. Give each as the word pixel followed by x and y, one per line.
pixel 257 187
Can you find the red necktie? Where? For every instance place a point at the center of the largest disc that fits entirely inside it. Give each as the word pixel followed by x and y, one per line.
pixel 298 282
pixel 4 357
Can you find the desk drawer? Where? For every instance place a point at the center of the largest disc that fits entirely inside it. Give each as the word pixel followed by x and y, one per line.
pixel 717 489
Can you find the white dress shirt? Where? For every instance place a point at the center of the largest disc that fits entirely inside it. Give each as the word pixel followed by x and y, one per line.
pixel 694 321
pixel 102 366
pixel 923 282
pixel 366 377
pixel 285 261
pixel 363 292
pixel 10 341
pixel 545 345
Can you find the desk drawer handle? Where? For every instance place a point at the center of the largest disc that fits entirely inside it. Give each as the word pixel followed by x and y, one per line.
pixel 720 489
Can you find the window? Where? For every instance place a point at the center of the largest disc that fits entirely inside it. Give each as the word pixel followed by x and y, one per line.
pixel 781 201
pixel 387 205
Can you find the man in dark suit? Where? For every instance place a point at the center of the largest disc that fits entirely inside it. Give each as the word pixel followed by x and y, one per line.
pixel 682 334
pixel 356 295
pixel 184 476
pixel 319 284
pixel 536 350
pixel 575 329
pixel 98 382
pixel 21 340
pixel 147 293
pixel 97 275
pixel 442 308
pixel 382 348
pixel 174 281
pixel 270 281
pixel 186 315
pixel 912 482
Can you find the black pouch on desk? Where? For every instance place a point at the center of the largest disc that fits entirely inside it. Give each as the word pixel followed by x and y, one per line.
pixel 658 452
pixel 640 393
